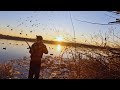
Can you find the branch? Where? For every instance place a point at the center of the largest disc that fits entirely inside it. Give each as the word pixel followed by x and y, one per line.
pixel 94 23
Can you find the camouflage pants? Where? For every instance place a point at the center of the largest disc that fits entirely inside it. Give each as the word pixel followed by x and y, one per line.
pixel 34 70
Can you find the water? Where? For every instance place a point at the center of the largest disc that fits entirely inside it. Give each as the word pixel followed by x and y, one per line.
pixel 12 49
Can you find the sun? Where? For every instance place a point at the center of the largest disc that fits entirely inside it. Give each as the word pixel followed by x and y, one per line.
pixel 59 38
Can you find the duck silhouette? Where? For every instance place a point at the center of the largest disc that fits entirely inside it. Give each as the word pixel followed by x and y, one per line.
pixel 4 48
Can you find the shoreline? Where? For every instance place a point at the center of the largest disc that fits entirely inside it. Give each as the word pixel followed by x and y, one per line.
pixel 7 37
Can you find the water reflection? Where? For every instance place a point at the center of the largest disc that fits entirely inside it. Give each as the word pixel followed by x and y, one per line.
pixel 18 50
pixel 59 48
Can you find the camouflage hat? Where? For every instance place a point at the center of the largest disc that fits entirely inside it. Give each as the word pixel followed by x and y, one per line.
pixel 39 37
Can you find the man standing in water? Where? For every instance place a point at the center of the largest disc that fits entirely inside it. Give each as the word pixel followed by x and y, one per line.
pixel 36 51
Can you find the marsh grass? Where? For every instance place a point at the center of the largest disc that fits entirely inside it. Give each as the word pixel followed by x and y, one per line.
pixel 87 65
pixel 6 71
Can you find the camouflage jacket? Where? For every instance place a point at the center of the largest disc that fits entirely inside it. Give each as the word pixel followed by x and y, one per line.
pixel 37 50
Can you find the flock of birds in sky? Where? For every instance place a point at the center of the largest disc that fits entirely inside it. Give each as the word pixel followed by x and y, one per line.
pixel 31 23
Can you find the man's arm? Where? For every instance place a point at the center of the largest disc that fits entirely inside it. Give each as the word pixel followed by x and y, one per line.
pixel 31 49
pixel 45 50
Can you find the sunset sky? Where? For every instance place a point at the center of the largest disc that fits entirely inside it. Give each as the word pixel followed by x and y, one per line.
pixel 51 24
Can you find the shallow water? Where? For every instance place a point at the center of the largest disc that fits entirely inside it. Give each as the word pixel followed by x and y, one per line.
pixel 12 49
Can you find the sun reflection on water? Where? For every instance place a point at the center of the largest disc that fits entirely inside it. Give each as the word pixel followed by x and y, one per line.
pixel 59 48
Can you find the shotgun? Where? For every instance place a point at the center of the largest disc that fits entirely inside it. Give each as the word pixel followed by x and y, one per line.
pixel 27 43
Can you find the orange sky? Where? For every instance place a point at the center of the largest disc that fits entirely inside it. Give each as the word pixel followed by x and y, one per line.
pixel 53 24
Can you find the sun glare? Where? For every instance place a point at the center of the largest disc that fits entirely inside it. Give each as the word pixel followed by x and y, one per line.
pixel 59 38
pixel 59 47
